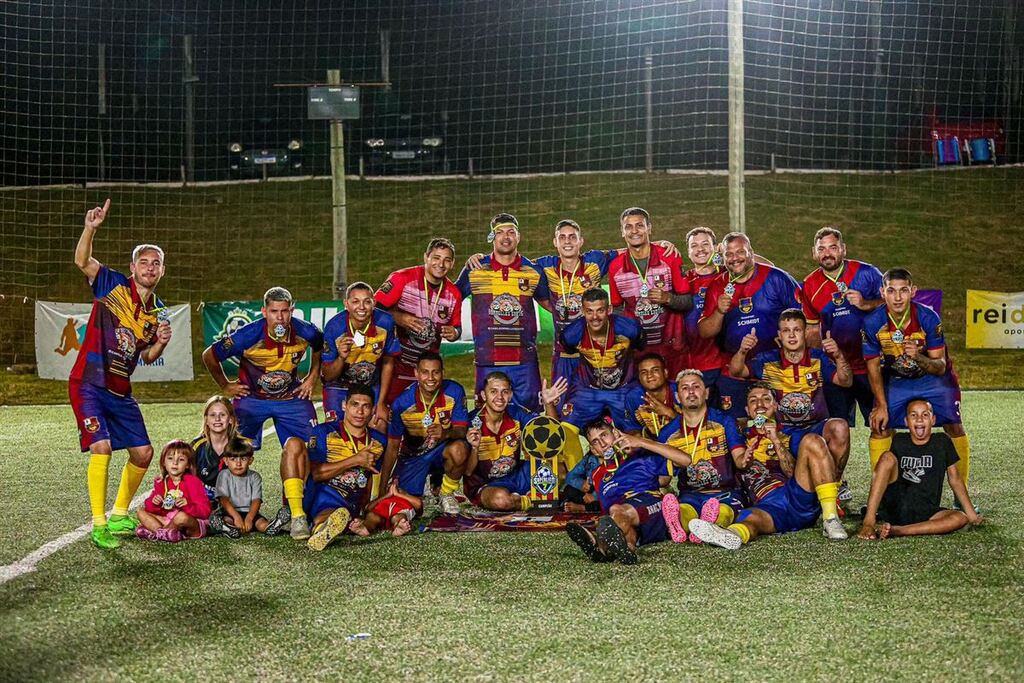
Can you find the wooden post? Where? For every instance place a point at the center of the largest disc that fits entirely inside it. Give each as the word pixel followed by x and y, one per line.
pixel 339 212
pixel 737 208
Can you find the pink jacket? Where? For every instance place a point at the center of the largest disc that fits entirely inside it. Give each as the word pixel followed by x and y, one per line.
pixel 196 503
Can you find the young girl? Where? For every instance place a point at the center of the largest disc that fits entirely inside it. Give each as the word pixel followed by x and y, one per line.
pixel 219 427
pixel 177 508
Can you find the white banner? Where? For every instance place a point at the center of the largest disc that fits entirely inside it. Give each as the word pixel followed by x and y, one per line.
pixel 60 331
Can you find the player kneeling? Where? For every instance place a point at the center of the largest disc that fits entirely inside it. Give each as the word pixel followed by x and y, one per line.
pixel 788 492
pixel 629 491
pixel 906 486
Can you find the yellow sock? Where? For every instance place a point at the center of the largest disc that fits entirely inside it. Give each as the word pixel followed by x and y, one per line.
pixel 742 531
pixel 293 492
pixel 448 485
pixel 963 448
pixel 686 513
pixel 876 447
pixel 96 478
pixel 525 503
pixel 131 477
pixel 827 494
pixel 726 516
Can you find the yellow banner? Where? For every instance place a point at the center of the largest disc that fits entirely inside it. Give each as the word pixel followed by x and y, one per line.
pixel 995 320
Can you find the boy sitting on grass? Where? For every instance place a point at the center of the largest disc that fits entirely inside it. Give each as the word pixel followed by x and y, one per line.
pixel 239 491
pixel 906 487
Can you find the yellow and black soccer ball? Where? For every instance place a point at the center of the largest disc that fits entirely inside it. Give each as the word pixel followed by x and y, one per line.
pixel 543 437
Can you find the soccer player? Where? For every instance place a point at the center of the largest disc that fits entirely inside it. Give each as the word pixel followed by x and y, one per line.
pixel 906 486
pixel 428 432
pixel 269 351
pixel 799 376
pixel 343 456
pixel 747 296
pixel 907 358
pixel 629 492
pixel 605 343
pixel 653 402
pixel 126 323
pixel 703 353
pixel 836 299
pixel 360 347
pixel 790 481
pixel 647 284
pixel 496 477
pixel 426 306
pixel 504 322
pixel 708 486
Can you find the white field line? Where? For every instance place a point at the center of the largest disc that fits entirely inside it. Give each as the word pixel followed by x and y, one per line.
pixel 28 563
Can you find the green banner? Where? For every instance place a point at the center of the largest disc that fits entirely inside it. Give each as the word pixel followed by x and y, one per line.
pixel 223 318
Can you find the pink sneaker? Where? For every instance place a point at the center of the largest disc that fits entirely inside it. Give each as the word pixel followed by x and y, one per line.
pixel 144 533
pixel 168 534
pixel 709 513
pixel 670 511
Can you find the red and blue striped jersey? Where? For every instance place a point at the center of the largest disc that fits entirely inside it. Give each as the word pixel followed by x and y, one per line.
pixel 824 303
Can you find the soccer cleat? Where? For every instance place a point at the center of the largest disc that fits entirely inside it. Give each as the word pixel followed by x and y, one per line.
pixel 280 521
pixel 709 512
pixel 845 494
pixel 328 530
pixel 122 525
pixel 715 535
pixel 585 540
pixel 102 538
pixel 300 528
pixel 449 506
pixel 670 511
pixel 833 529
pixel 232 532
pixel 216 523
pixel 609 533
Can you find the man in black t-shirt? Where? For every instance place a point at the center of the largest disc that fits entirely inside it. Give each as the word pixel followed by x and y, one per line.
pixel 906 487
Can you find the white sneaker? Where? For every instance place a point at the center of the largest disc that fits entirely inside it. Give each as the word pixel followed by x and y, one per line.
pixel 845 494
pixel 449 506
pixel 300 528
pixel 833 529
pixel 715 535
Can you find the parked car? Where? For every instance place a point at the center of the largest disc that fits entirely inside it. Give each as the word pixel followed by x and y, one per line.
pixel 402 143
pixel 263 160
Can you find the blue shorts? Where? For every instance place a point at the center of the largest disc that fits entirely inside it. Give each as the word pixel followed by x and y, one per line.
pixel 696 499
pixel 102 415
pixel 292 417
pixel 412 471
pixel 790 507
pixel 844 401
pixel 652 527
pixel 516 482
pixel 942 392
pixel 732 396
pixel 563 367
pixel 585 404
pixel 796 434
pixel 525 383
pixel 321 496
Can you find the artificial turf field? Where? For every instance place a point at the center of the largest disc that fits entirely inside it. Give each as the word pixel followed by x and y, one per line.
pixel 503 606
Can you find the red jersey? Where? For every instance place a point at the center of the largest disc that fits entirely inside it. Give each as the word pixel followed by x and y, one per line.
pixel 408 291
pixel 628 288
pixel 702 354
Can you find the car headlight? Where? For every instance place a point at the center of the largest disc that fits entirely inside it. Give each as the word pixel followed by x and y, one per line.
pixel 235 147
pixel 295 145
pixel 432 142
pixel 375 142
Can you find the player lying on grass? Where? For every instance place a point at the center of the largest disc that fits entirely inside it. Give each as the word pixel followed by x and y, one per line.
pixel 177 507
pixel 628 486
pixel 127 324
pixel 906 486
pixel 788 492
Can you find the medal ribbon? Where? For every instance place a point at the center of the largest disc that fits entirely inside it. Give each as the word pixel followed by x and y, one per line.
pixel 735 278
pixel 429 406
pixel 696 442
pixel 643 275
pixel 656 418
pixel 835 280
pixel 903 321
pixel 356 446
pixel 431 309
pixel 600 349
pixel 566 293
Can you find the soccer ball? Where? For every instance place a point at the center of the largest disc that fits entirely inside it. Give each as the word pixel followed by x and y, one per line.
pixel 543 437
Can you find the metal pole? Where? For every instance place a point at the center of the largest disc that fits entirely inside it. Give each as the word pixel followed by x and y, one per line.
pixel 102 66
pixel 737 209
pixel 339 213
pixel 189 80
pixel 649 110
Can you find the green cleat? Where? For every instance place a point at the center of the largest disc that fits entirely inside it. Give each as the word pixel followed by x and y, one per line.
pixel 122 525
pixel 102 538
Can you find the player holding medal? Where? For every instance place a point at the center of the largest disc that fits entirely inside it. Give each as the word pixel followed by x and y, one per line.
pixel 907 358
